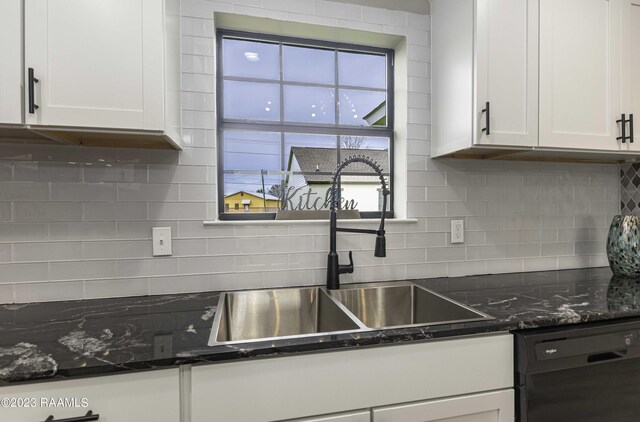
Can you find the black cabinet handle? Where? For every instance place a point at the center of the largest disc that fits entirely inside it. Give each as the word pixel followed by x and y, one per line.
pixel 623 128
pixel 631 128
pixel 487 111
pixel 32 87
pixel 88 417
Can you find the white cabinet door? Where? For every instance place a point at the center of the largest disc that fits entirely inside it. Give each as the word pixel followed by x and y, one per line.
pixel 99 63
pixel 507 72
pixel 487 407
pixel 580 73
pixel 151 396
pixel 11 62
pixel 361 416
pixel 631 70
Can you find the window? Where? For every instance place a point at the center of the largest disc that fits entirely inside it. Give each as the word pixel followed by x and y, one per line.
pixel 290 110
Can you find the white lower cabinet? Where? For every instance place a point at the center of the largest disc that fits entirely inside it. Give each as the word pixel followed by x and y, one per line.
pixel 361 416
pixel 137 397
pixel 303 386
pixel 495 406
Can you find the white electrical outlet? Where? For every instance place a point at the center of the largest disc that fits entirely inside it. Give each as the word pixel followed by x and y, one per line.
pixel 457 231
pixel 161 241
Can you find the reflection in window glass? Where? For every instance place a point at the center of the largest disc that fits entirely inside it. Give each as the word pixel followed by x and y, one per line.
pixel 309 104
pixel 362 108
pixel 363 193
pixel 251 192
pixel 311 65
pixel 251 101
pixel 251 59
pixel 244 150
pixel 365 70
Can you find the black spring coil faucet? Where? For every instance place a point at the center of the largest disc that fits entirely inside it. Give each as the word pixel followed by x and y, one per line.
pixel 334 269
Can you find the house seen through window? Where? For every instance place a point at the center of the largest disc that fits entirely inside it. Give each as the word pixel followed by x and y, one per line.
pixel 290 110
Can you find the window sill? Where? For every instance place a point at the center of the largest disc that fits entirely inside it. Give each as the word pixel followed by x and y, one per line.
pixel 387 222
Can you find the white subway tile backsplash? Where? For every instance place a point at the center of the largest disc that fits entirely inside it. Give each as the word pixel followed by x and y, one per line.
pixel 148 192
pixel 47 172
pixel 142 229
pixel 50 291
pixel 146 267
pixel 5 211
pixel 6 254
pixel 83 230
pixel 76 222
pixel 24 191
pixel 82 270
pixel 17 232
pixel 177 210
pixel 123 173
pixel 332 9
pixel 295 6
pixel 117 249
pixel 7 293
pixel 17 273
pixel 83 191
pixel 115 211
pixel 47 251
pixel 97 289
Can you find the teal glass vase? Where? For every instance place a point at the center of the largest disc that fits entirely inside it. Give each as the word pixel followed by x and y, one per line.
pixel 623 245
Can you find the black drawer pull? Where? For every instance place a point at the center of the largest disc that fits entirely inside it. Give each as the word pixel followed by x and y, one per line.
pixel 631 128
pixel 88 417
pixel 32 87
pixel 623 128
pixel 487 111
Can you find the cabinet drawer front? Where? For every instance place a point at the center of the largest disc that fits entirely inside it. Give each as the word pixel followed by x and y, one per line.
pixel 488 407
pixel 151 396
pixel 323 383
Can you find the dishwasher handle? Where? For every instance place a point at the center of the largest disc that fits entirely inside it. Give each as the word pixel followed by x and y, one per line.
pixel 601 357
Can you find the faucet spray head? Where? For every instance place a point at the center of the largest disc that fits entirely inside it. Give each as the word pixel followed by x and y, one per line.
pixel 381 246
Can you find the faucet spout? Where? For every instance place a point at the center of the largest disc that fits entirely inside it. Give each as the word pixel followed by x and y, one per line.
pixel 334 269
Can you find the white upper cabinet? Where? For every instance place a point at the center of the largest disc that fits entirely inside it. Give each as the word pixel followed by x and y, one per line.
pixel 507 72
pixel 631 72
pixel 103 65
pixel 11 62
pixel 580 74
pixel 541 79
pixel 484 52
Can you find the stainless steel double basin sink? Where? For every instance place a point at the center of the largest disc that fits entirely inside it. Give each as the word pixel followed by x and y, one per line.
pixel 261 315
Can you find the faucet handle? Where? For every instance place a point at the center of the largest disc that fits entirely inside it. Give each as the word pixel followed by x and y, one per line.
pixel 347 269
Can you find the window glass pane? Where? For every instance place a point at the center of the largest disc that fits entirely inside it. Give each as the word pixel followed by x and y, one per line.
pixel 251 101
pixel 308 65
pixel 250 59
pixel 360 184
pixel 243 192
pixel 363 193
pixel 309 104
pixel 310 162
pixel 251 150
pixel 366 70
pixel 363 108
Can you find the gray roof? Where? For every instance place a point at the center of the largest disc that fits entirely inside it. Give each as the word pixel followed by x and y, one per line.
pixel 323 161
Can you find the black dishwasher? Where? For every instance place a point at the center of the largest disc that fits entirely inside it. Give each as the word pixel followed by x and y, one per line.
pixel 583 373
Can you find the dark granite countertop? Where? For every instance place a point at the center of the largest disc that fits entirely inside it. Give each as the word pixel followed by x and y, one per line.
pixel 57 340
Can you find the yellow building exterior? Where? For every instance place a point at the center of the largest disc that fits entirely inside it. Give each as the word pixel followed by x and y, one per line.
pixel 243 202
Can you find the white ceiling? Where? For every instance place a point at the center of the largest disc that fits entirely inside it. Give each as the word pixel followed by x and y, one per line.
pixel 415 6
